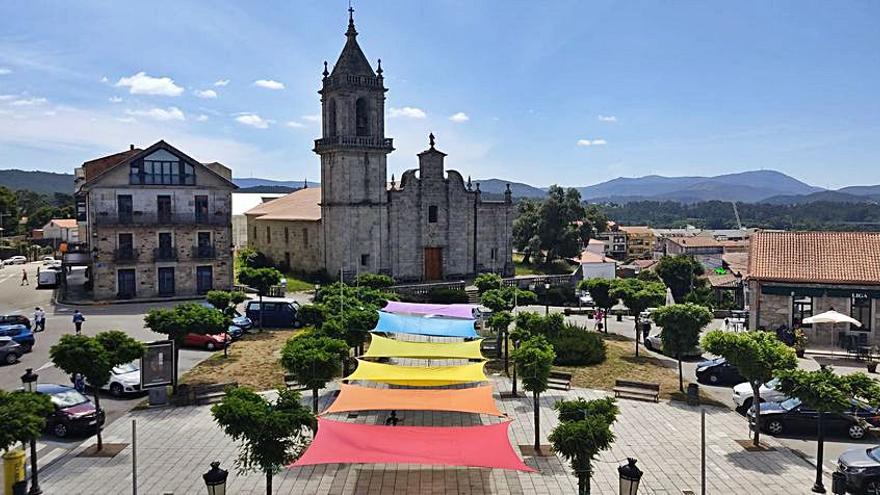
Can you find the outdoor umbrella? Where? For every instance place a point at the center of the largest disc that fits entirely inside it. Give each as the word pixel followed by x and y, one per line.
pixel 832 317
pixel 669 299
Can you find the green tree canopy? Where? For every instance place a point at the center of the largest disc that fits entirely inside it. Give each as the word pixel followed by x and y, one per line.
pixel 313 361
pixel 120 347
pixel 681 324
pixel 272 435
pixel 503 299
pixel 486 281
pixel 583 432
pixel 680 274
pixel 534 358
pixel 374 281
pixel 23 415
pixel 600 291
pixel 580 408
pixel 259 279
pixel 500 321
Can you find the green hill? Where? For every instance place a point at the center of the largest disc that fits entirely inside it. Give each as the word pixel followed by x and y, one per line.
pixel 36 181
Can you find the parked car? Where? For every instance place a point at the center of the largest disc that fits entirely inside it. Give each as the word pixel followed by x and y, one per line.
pixel 717 372
pixel 655 343
pixel 15 260
pixel 48 260
pixel 585 298
pixel 235 332
pixel 48 278
pixel 205 341
pixel 861 468
pixel 10 351
pixel 243 322
pixel 20 334
pixel 743 396
pixel 792 416
pixel 15 320
pixel 74 412
pixel 124 379
pixel 277 312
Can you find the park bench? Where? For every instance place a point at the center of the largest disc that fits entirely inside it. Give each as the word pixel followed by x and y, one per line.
pixel 559 380
pixel 489 347
pixel 637 390
pixel 291 383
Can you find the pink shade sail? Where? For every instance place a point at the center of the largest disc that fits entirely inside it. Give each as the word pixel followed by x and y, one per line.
pixel 473 446
pixel 465 311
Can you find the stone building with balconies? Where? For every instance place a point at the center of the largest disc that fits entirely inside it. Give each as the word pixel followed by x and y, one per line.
pixel 154 223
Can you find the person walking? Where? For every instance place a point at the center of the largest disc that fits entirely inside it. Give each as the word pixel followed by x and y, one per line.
pixel 78 320
pixel 24 279
pixel 39 319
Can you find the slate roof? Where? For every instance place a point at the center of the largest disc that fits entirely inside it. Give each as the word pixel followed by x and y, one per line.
pixel 816 257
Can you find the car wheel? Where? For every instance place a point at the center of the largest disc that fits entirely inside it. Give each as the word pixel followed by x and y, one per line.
pixel 872 487
pixel 856 432
pixel 713 379
pixel 12 358
pixel 59 430
pixel 774 427
pixel 116 390
pixel 297 324
pixel 210 346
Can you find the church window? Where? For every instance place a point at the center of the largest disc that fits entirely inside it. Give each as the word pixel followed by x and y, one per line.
pixel 365 260
pixel 305 237
pixel 268 235
pixel 331 117
pixel 432 214
pixel 361 117
pixel 286 235
pixel 494 254
pixel 255 233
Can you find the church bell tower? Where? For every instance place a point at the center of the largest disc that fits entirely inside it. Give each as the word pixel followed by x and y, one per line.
pixel 353 150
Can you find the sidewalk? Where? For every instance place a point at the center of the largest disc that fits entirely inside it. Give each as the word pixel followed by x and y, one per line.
pixel 176 445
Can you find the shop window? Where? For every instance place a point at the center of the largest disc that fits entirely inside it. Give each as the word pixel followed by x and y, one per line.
pixel 860 309
pixel 801 307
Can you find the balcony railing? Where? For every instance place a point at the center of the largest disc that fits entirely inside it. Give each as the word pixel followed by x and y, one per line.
pixel 165 254
pixel 125 254
pixel 144 218
pixel 204 252
pixel 358 141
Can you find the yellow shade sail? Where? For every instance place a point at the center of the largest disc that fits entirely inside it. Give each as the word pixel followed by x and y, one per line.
pixel 383 347
pixel 476 400
pixel 418 376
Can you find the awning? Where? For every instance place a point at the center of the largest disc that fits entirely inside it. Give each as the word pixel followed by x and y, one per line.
pixel 420 325
pixel 381 347
pixel 465 311
pixel 474 446
pixel 477 400
pixel 418 376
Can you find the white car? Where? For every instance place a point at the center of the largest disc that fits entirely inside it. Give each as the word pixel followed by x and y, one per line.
pixel 15 260
pixel 655 343
pixel 48 260
pixel 743 395
pixel 124 379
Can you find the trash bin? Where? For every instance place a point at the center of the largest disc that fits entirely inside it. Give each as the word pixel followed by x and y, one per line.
pixel 838 483
pixel 693 394
pixel 13 471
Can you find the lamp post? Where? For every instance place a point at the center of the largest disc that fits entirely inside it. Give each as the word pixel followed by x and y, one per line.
pixel 630 476
pixel 215 479
pixel 546 298
pixel 317 288
pixel 29 383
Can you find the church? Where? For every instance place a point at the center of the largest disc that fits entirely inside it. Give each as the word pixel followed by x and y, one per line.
pixel 429 225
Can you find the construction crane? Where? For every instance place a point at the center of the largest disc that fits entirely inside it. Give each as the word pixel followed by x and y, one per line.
pixel 736 213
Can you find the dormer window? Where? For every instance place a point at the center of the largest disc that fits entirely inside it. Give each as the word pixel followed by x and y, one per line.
pixel 162 168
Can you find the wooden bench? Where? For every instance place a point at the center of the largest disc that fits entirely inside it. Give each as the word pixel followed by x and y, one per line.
pixel 291 383
pixel 637 390
pixel 489 347
pixel 559 380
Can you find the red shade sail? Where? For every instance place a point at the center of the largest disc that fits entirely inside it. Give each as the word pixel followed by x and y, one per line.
pixel 474 446
pixel 476 400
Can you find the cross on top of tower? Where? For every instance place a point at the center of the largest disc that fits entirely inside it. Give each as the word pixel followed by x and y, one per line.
pixel 351 31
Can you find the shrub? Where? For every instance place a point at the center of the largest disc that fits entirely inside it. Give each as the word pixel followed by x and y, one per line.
pixel 576 346
pixel 251 258
pixel 486 281
pixel 445 295
pixel 558 296
pixel 534 324
pixel 374 281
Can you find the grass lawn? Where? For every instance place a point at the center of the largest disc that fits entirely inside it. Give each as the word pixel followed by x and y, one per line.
pixel 556 267
pixel 253 361
pixel 295 284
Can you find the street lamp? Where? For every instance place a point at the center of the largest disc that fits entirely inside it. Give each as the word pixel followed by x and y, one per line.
pixel 29 383
pixel 630 476
pixel 546 298
pixel 215 479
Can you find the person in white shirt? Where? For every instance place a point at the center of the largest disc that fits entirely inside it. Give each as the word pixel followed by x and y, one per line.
pixel 39 319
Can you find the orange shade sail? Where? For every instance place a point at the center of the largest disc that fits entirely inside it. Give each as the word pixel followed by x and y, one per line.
pixel 476 400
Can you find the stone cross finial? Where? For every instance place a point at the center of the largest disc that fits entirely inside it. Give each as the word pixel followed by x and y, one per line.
pixel 431 140
pixel 469 183
pixel 393 182
pixel 379 70
pixel 325 73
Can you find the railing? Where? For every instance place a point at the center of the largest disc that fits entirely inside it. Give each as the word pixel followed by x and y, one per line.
pixel 204 252
pixel 164 254
pixel 137 218
pixel 538 281
pixel 362 141
pixel 352 80
pixel 424 289
pixel 125 254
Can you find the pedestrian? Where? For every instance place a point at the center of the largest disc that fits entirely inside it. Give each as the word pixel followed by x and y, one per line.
pixel 392 420
pixel 24 280
pixel 78 320
pixel 79 383
pixel 39 319
pixel 646 329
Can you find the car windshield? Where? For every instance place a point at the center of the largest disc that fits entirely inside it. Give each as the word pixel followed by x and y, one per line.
pixel 772 384
pixel 790 404
pixel 68 398
pixel 874 453
pixel 125 368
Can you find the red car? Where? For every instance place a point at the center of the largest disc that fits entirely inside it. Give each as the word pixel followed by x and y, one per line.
pixel 209 342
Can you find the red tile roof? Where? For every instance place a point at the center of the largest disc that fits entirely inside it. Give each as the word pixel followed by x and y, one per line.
pixel 302 204
pixel 64 223
pixel 818 257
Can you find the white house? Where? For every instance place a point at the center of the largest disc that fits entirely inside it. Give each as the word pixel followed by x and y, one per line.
pixel 62 229
pixel 596 265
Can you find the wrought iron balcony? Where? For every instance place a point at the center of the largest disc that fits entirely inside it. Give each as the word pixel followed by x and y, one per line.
pixel 125 255
pixel 152 218
pixel 334 142
pixel 204 252
pixel 164 254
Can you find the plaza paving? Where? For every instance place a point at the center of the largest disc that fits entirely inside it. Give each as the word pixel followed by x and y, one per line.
pixel 175 446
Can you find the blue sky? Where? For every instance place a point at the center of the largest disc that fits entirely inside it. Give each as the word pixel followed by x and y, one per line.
pixel 569 92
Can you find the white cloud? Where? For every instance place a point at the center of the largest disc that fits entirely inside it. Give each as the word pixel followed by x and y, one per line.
pixel 127 120
pixel 312 118
pixel 207 93
pixel 269 84
pixel 202 118
pixel 115 99
pixel 253 120
pixel 4 71
pixel 142 84
pixel 459 117
pixel 7 97
pixel 407 112
pixel 49 113
pixel 594 142
pixel 607 118
pixel 104 79
pixel 28 102
pixel 294 124
pixel 160 114
pixel 221 83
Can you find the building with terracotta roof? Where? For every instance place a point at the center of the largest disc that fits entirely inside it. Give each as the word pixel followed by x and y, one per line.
pixel 61 230
pixel 639 241
pixel 793 275
pixel 595 265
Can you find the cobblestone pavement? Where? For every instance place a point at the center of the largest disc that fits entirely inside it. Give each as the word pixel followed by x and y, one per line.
pixel 175 446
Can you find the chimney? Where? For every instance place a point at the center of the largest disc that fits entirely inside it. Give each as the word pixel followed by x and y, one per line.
pixel 131 147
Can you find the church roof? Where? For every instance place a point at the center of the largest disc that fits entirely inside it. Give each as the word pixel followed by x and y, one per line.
pixel 302 204
pixel 352 59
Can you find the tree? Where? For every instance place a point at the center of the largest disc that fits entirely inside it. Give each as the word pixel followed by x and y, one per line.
pixel 313 361
pixel 271 434
pixel 24 417
pixel 500 323
pixel 183 319
pixel 525 229
pixel 261 280
pixel 251 258
pixel 825 392
pixel 486 281
pixel 600 291
pixel 681 325
pixel 374 281
pixel 84 355
pixel 506 298
pixel 649 276
pixel 638 295
pixel 312 315
pixel 679 273
pixel 9 207
pixel 226 301
pixel 535 359
pixel 757 355
pixel 584 430
pixel 121 348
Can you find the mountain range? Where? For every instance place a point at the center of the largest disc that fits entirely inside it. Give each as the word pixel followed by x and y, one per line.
pixel 764 186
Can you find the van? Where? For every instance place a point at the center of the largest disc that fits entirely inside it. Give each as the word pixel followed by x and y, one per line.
pixel 277 312
pixel 48 278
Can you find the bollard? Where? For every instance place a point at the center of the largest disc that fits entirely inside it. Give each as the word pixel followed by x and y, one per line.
pixel 13 471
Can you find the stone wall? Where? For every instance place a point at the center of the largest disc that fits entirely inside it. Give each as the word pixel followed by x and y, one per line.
pixel 299 240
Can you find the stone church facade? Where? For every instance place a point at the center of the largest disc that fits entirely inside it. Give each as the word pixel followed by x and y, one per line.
pixel 431 225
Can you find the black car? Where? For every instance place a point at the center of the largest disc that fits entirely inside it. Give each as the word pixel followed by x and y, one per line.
pixel 10 351
pixel 74 412
pixel 861 467
pixel 792 416
pixel 718 372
